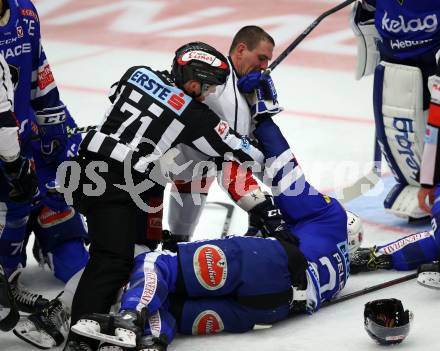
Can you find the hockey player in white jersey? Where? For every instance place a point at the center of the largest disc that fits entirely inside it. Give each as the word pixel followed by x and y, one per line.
pixel 250 51
pixel 20 175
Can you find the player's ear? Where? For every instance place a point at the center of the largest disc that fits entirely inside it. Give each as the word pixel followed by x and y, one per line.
pixel 240 48
pixel 192 87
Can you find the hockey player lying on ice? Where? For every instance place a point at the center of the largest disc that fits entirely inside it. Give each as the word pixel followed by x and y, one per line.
pixel 209 286
pixel 230 284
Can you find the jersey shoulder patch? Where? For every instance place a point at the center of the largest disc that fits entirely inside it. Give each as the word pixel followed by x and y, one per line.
pixel 150 83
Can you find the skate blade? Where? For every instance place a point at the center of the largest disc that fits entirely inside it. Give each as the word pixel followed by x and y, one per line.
pixel 91 329
pixel 26 331
pixel 429 280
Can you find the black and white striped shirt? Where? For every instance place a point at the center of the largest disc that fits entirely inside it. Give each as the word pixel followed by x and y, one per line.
pixel 150 115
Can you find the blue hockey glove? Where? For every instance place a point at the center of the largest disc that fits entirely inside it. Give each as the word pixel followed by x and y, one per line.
pixel 52 198
pixel 258 80
pixel 22 179
pixel 52 129
pixel 262 108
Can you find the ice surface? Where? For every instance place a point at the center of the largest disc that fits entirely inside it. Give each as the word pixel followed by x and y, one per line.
pixel 328 122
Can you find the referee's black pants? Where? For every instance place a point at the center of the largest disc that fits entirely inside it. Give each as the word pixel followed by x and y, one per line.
pixel 114 224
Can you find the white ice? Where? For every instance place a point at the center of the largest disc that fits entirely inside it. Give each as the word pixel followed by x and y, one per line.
pixel 329 124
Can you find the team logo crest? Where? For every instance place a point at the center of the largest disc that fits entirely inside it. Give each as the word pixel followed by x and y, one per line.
pixel 207 322
pixel 222 129
pixel 20 31
pixel 210 266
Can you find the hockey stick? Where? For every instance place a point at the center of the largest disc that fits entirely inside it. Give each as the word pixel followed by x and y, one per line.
pixel 229 212
pixel 78 130
pixel 304 34
pixel 370 289
pixel 367 182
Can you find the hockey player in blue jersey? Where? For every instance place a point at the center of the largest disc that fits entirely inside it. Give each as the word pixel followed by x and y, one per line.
pixel 42 123
pixel 237 283
pixel 398 41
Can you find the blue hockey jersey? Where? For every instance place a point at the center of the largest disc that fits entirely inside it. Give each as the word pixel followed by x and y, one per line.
pixel 34 85
pixel 408 28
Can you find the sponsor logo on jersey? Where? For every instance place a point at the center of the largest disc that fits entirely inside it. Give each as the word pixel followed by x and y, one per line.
pixel 150 286
pixel 207 322
pixel 20 31
pixel 48 218
pixel 210 266
pixel 203 57
pixel 428 24
pixel 45 77
pixel 18 50
pixel 155 324
pixel 177 101
pixel 222 129
pixel 29 13
pixel 405 44
pixel 170 96
pixel 398 245
pixel 403 128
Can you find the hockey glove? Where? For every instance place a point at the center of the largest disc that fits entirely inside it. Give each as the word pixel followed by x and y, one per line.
pixel 52 198
pixel 170 241
pixel 258 80
pixel 270 221
pixel 369 259
pixel 22 179
pixel 52 129
pixel 262 95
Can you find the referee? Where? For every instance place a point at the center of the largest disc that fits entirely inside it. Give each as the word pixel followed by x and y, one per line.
pixel 151 112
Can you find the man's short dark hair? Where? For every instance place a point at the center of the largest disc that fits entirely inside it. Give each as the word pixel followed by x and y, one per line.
pixel 251 36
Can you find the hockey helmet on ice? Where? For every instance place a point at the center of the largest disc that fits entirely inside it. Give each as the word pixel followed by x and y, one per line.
pixel 201 62
pixel 386 321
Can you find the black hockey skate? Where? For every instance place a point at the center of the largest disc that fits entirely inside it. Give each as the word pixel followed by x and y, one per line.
pixel 77 346
pixel 26 301
pixel 148 343
pixel 429 275
pixel 120 329
pixel 109 347
pixel 368 259
pixel 9 315
pixel 44 329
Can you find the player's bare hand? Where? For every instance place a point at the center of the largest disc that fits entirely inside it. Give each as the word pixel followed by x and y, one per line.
pixel 424 195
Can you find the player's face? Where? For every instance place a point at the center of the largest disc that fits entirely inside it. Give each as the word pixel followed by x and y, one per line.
pixel 198 91
pixel 254 60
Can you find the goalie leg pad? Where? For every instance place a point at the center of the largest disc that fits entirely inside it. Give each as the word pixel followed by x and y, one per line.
pixel 400 125
pixel 400 120
pixel 402 202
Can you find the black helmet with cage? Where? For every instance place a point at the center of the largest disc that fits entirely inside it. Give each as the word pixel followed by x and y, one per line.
pixel 386 321
pixel 201 62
